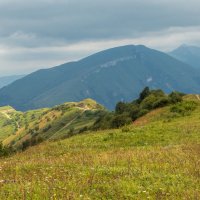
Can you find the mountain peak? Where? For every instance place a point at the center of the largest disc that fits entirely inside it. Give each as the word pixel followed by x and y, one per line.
pixel 110 76
pixel 188 54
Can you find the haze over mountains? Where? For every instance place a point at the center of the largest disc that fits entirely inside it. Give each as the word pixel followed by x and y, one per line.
pixel 109 76
pixel 6 80
pixel 188 54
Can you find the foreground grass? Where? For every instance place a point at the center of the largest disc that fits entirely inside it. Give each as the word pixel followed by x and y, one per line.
pixel 158 160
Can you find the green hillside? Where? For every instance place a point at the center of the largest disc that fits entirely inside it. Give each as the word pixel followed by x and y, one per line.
pixel 7 125
pixel 156 157
pixel 22 129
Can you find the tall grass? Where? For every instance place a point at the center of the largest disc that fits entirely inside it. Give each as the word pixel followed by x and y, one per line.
pixel 158 159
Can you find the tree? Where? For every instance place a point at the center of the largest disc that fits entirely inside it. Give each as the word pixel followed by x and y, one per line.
pixel 121 120
pixel 120 107
pixel 144 94
pixel 175 97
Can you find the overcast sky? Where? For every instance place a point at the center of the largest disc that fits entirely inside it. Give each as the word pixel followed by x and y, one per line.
pixel 43 33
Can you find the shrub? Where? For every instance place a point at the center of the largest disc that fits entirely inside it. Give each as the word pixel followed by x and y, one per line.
pixel 121 120
pixel 147 103
pixel 184 108
pixel 71 131
pixel 84 129
pixel 163 101
pixel 125 129
pixel 47 128
pixel 4 151
pixel 104 121
pixel 120 107
pixel 142 112
pixel 175 97
pixel 134 112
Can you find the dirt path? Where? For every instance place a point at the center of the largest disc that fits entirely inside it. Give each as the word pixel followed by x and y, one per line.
pixel 198 97
pixel 5 113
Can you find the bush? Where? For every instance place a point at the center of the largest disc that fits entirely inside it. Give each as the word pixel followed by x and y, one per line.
pixel 175 97
pixel 5 151
pixel 163 101
pixel 184 108
pixel 84 129
pixel 31 142
pixel 120 107
pixel 47 128
pixel 147 103
pixel 104 121
pixel 71 131
pixel 125 129
pixel 142 112
pixel 134 112
pixel 121 120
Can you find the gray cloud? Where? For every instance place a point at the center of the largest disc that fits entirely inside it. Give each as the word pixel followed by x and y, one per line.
pixel 46 31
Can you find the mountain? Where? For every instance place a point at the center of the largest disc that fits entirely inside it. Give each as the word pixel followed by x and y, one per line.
pixel 109 76
pixel 6 80
pixel 19 128
pixel 188 54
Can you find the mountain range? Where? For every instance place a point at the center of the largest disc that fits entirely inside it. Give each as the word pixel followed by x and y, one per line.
pixel 113 75
pixel 188 54
pixel 6 80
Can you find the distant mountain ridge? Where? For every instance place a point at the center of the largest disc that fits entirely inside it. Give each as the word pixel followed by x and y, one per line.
pixel 188 54
pixel 109 76
pixel 6 80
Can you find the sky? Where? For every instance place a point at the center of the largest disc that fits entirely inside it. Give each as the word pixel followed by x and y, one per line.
pixel 45 33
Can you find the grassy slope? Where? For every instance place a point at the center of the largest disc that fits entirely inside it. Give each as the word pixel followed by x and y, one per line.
pixel 156 158
pixel 53 123
pixel 7 126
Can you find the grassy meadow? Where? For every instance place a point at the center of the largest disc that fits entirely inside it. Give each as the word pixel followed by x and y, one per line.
pixel 157 157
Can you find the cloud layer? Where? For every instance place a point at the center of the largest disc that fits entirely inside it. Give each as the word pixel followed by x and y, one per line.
pixel 44 33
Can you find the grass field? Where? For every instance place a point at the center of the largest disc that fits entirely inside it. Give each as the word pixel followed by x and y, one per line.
pixel 157 157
